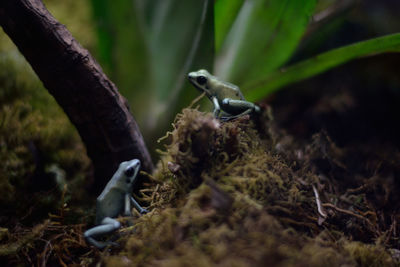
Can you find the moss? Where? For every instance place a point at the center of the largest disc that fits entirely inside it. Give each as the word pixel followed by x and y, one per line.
pixel 252 206
pixel 39 148
pixel 41 153
pixel 369 254
pixel 35 151
pixel 14 246
pixel 228 194
pixel 224 193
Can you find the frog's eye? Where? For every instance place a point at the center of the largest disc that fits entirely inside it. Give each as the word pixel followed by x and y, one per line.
pixel 129 172
pixel 201 80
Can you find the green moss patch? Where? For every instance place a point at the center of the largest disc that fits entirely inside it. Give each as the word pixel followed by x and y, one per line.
pixel 227 193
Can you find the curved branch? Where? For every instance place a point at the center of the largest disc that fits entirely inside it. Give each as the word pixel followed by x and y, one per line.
pixel 78 84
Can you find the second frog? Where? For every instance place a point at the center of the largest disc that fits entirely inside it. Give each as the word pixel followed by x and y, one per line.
pixel 227 98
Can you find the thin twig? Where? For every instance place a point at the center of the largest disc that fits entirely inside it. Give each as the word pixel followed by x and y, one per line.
pixel 348 212
pixel 319 205
pixel 48 248
pixel 392 229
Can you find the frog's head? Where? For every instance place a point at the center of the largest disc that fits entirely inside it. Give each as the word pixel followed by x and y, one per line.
pixel 129 170
pixel 200 79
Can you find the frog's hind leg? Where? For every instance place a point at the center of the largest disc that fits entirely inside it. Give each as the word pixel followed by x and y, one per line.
pixel 238 107
pixel 108 225
pixel 236 116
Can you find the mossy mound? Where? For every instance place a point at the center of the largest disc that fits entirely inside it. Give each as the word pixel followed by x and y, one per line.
pixel 234 194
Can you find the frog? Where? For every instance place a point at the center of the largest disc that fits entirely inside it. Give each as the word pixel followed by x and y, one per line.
pixel 114 200
pixel 229 102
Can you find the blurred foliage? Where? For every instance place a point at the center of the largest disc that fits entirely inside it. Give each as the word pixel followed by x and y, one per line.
pixel 261 38
pixel 148 47
pixel 321 63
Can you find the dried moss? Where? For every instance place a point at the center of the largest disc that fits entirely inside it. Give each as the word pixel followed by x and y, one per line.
pixel 37 145
pixel 225 194
pixel 39 148
pixel 254 205
pixel 40 151
pixel 31 148
pixel 369 255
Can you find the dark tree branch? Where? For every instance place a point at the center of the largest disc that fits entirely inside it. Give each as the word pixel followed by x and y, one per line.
pixel 78 84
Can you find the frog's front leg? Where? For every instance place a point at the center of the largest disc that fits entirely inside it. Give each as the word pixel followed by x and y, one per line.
pixel 238 108
pixel 128 200
pixel 217 108
pixel 108 225
pixel 139 208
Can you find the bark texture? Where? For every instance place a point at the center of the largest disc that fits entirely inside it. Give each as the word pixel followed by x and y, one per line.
pixel 78 84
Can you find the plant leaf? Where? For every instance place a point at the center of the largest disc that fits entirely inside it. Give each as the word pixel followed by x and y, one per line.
pixel 271 82
pixel 150 46
pixel 121 49
pixel 263 36
pixel 225 12
pixel 180 37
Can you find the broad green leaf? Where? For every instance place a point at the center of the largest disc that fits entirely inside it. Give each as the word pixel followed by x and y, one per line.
pixel 173 32
pixel 263 36
pixel 225 12
pixel 179 36
pixel 121 49
pixel 152 45
pixel 269 83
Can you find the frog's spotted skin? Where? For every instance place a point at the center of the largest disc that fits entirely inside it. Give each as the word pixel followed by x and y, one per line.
pixel 227 98
pixel 115 200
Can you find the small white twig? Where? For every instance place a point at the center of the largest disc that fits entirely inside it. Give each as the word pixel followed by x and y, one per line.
pixel 319 206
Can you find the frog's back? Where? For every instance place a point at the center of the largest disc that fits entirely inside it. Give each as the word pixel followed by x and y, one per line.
pixel 110 204
pixel 229 90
